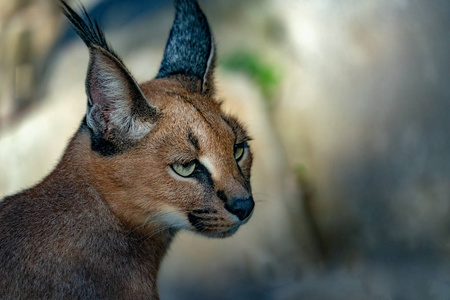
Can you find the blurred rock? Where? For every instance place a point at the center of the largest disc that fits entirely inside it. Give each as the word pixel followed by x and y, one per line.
pixel 28 30
pixel 364 108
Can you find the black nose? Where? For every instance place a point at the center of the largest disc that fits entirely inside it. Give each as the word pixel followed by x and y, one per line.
pixel 242 208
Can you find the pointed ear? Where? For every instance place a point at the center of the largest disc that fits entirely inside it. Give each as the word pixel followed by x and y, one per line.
pixel 117 112
pixel 190 50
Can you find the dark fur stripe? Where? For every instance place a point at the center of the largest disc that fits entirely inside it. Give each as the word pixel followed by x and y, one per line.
pixel 221 195
pixel 194 140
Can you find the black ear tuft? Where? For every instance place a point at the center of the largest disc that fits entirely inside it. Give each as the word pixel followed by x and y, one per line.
pixel 190 49
pixel 118 113
pixel 89 31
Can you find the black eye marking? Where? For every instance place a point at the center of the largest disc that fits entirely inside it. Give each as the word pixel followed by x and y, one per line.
pixel 221 195
pixel 203 176
pixel 194 141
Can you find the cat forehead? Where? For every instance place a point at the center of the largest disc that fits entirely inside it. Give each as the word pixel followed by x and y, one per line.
pixel 172 98
pixel 192 117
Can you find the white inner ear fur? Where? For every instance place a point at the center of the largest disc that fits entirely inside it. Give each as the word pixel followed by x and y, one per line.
pixel 208 64
pixel 112 86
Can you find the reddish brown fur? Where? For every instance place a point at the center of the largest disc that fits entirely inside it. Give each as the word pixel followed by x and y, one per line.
pixel 166 143
pixel 99 225
pixel 94 211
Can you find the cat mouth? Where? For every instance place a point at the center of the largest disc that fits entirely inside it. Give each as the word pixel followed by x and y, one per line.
pixel 211 226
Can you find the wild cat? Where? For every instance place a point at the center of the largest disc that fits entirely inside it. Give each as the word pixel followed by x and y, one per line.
pixel 148 160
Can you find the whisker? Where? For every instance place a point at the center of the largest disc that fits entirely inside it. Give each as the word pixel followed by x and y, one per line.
pixel 261 194
pixel 203 211
pixel 261 201
pixel 206 227
pixel 207 218
pixel 197 223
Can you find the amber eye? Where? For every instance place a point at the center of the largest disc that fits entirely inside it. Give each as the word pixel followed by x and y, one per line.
pixel 184 170
pixel 239 150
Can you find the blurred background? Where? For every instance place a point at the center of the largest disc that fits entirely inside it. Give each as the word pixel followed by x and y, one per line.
pixel 348 103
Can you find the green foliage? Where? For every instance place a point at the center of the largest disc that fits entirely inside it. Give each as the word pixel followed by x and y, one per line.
pixel 301 172
pixel 265 75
